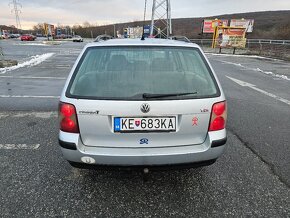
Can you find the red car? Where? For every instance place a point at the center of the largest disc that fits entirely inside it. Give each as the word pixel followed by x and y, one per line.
pixel 27 37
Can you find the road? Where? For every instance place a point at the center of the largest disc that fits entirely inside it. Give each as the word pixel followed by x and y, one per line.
pixel 252 178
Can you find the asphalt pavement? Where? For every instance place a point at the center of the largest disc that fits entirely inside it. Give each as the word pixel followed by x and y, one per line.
pixel 252 178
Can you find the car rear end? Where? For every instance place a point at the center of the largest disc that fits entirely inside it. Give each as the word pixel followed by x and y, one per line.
pixel 24 37
pixel 27 37
pixel 77 38
pixel 142 103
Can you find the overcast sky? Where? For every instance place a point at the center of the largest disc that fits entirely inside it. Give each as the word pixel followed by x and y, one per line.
pixel 70 12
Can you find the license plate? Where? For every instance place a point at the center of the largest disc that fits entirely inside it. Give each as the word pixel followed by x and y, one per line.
pixel 152 124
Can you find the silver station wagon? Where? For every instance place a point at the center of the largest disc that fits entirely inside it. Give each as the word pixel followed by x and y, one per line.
pixel 144 103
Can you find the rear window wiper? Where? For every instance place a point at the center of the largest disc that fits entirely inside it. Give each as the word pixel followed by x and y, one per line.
pixel 150 96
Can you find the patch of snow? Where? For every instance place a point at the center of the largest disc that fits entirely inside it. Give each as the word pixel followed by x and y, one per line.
pixel 247 56
pixel 268 73
pixel 282 77
pixel 35 60
pixel 258 70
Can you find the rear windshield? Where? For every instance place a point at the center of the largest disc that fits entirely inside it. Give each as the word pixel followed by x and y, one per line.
pixel 127 73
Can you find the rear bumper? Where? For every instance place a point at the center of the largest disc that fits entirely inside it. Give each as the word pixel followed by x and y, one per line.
pixel 142 167
pixel 210 150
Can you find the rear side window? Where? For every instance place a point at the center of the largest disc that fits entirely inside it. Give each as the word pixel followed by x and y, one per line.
pixel 126 73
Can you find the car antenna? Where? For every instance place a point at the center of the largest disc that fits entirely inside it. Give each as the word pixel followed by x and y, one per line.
pixel 143 36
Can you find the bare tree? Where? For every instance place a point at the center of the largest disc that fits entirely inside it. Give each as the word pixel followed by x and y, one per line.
pixel 86 24
pixel 38 28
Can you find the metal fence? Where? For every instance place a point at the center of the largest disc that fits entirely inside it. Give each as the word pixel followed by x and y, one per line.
pixel 264 47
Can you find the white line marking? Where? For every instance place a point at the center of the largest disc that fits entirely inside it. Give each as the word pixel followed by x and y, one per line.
pixel 19 146
pixel 240 82
pixel 28 96
pixel 62 65
pixel 236 64
pixel 43 115
pixel 33 77
pixel 252 86
pixel 37 44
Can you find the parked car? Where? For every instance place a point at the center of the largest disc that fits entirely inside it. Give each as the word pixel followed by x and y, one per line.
pixel 77 38
pixel 62 36
pixel 39 35
pixel 27 37
pixel 103 38
pixel 12 36
pixel 129 102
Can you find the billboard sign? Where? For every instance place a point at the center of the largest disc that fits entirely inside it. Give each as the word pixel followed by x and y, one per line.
pixel 208 26
pixel 147 31
pixel 248 24
pixel 58 31
pixel 52 31
pixel 49 29
pixel 134 32
pixel 5 34
pixel 228 37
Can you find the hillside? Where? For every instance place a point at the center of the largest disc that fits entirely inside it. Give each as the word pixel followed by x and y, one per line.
pixel 268 25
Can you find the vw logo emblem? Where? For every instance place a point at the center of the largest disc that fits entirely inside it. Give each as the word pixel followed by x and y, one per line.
pixel 145 108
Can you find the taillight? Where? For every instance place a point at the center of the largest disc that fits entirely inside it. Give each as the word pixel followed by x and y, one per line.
pixel 68 118
pixel 218 116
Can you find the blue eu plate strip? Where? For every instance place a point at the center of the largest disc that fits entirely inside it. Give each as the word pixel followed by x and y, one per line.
pixel 117 124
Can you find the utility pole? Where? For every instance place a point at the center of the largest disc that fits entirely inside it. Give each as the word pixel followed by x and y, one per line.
pixel 161 19
pixel 114 31
pixel 15 4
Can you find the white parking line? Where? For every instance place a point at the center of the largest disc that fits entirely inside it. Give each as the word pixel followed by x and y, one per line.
pixel 60 66
pixel 33 77
pixel 43 115
pixel 29 96
pixel 252 86
pixel 19 146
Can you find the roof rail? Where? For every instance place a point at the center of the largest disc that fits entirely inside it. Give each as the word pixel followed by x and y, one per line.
pixel 180 38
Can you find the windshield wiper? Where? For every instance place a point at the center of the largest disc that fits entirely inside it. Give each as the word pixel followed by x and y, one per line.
pixel 150 96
